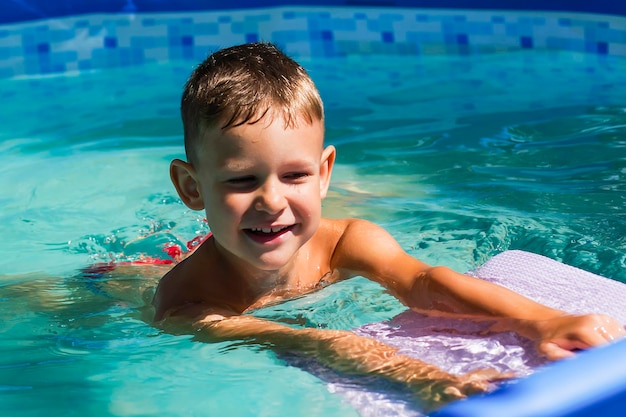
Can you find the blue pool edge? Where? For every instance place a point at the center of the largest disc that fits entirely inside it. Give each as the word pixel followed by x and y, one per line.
pixel 593 383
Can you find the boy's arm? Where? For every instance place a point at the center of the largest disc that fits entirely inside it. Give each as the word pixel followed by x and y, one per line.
pixel 368 250
pixel 343 351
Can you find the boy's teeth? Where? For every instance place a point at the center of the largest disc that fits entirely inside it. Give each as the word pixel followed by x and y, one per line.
pixel 267 229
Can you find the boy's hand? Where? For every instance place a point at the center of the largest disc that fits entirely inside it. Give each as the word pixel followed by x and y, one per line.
pixel 455 387
pixel 559 337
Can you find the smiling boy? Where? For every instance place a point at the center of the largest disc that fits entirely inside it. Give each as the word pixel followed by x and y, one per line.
pixel 257 165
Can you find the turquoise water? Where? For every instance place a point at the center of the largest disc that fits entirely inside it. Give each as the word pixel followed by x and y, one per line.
pixel 460 157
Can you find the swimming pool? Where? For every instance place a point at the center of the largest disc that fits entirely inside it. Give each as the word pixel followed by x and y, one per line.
pixel 460 153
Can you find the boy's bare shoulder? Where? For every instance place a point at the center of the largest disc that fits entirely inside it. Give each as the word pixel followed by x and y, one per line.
pixel 349 228
pixel 361 245
pixel 181 286
pixel 351 235
pixel 340 226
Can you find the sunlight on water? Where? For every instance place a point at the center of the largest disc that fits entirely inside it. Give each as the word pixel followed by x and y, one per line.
pixel 460 158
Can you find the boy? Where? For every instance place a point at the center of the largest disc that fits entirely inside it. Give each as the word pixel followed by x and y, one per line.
pixel 256 163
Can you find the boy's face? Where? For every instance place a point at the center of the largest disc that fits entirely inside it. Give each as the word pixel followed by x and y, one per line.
pixel 262 185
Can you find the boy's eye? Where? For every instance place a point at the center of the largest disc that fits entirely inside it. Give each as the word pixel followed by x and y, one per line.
pixel 293 176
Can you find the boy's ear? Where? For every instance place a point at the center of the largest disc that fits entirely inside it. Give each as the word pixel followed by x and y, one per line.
pixel 184 179
pixel 326 169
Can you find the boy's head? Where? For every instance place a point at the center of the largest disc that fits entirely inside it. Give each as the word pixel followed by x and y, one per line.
pixel 257 166
pixel 244 84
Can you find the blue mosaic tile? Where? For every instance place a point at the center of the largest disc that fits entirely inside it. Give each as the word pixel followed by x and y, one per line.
pixel 64 57
pixel 56 36
pixel 285 37
pixel 188 40
pixel 512 29
pixel 617 36
pixel 424 37
pixel 143 42
pixel 526 42
pixel 259 18
pixel 387 37
pixel 43 48
pixel 206 29
pixel 110 42
pixel 326 35
pixel 479 28
pixel 240 27
pixel 343 24
pixel 391 17
pixel 565 22
pixel 462 39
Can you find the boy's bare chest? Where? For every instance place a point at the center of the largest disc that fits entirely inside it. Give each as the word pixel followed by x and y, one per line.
pixel 309 273
pixel 313 282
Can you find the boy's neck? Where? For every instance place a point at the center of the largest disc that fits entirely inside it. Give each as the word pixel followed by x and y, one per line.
pixel 256 287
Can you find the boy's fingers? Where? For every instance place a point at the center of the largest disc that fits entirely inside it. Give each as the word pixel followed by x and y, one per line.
pixel 571 333
pixel 553 352
pixel 480 380
pixel 489 374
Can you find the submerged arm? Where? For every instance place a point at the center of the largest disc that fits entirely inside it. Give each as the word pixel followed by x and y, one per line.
pixel 345 352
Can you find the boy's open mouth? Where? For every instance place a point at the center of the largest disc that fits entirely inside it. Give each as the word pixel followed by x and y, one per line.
pixel 264 234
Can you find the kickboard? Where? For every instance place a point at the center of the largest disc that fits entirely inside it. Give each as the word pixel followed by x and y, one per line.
pixel 593 383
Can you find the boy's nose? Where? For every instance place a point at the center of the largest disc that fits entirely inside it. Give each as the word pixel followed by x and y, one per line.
pixel 270 199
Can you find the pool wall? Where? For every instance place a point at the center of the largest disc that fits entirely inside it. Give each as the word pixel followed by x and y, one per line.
pixel 40 37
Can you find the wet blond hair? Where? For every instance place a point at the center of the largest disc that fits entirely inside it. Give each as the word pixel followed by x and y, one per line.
pixel 243 84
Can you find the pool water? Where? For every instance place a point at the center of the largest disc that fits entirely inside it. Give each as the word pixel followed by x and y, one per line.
pixel 459 157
